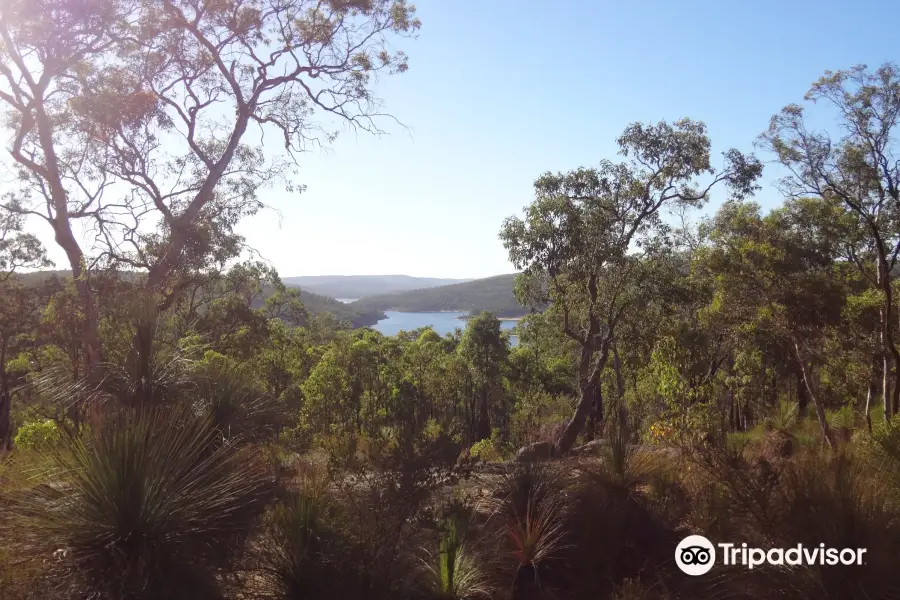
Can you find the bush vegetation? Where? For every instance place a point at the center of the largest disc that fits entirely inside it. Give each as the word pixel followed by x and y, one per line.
pixel 174 423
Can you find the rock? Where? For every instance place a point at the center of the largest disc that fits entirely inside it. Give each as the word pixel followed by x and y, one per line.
pixel 592 448
pixel 536 452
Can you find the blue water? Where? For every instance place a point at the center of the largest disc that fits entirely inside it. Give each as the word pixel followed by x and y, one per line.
pixel 442 322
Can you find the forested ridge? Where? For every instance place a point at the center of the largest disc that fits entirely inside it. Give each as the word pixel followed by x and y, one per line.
pixel 357 286
pixel 176 422
pixel 492 294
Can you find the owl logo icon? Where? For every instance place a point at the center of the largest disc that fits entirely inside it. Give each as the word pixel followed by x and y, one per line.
pixel 695 555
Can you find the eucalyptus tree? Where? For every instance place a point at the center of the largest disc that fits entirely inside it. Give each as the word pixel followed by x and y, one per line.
pixel 144 121
pixel 857 168
pixel 580 241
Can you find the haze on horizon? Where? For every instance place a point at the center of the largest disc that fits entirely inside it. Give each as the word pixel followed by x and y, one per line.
pixel 497 93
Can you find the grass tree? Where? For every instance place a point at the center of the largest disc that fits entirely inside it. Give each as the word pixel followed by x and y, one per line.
pixel 148 505
pixel 455 572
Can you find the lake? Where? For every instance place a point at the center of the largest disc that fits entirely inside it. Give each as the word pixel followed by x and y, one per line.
pixel 442 322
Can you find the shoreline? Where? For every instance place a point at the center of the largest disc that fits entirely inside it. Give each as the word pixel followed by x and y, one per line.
pixel 463 316
pixel 467 317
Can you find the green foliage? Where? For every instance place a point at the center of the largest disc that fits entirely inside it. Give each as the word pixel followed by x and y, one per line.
pixel 234 400
pixel 785 416
pixel 19 365
pixel 455 573
pixel 145 506
pixel 318 306
pixel 485 450
pixel 693 352
pixel 843 417
pixel 738 441
pixel 37 435
pixel 295 557
pixel 485 350
pixel 528 507
pixel 536 415
pixel 886 437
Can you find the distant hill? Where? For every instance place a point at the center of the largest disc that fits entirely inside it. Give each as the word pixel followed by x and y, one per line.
pixel 314 303
pixel 35 277
pixel 494 294
pixel 360 286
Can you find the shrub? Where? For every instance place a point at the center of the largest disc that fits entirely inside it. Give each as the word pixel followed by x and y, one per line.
pixel 382 505
pixel 36 435
pixel 528 508
pixel 485 450
pixel 235 402
pixel 298 554
pixel 811 499
pixel 624 521
pixel 146 505
pixel 784 416
pixel 660 432
pixel 455 573
pixel 535 414
pixel 844 417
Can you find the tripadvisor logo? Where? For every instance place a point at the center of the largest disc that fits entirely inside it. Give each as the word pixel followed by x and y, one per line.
pixel 696 555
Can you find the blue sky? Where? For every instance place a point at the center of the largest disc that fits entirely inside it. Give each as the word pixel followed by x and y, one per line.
pixel 500 91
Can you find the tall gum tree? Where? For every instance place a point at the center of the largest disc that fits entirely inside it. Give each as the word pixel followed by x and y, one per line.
pixel 143 121
pixel 579 240
pixel 858 168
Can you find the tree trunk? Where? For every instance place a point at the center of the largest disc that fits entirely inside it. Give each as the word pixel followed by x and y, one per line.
pixel 5 424
pixel 872 390
pixel 595 421
pixel 142 359
pixel 891 354
pixel 93 349
pixel 895 390
pixel 810 389
pixel 62 229
pixel 802 397
pixel 576 423
pixel 484 421
pixel 886 387
pixel 5 403
pixel 620 384
pixel 729 407
pixel 588 380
